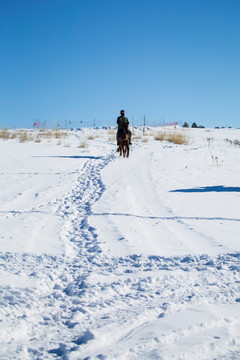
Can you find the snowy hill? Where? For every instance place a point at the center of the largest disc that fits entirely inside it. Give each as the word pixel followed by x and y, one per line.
pixel 111 258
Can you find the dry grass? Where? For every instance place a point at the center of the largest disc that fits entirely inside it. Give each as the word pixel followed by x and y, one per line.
pixel 91 137
pixel 83 145
pixel 160 136
pixel 174 137
pixel 58 134
pixel 112 131
pixel 25 137
pixel 4 134
pixel 145 140
pixel 13 136
pixel 178 138
pixel 30 135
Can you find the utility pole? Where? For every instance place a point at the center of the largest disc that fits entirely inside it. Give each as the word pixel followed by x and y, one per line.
pixel 94 123
pixel 144 124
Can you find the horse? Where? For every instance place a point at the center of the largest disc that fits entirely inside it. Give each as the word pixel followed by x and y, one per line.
pixel 123 140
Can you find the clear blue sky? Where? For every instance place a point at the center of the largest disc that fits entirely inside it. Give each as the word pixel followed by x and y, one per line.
pixel 177 60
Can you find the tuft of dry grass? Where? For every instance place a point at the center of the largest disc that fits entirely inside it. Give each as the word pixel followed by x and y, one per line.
pixel 25 137
pixel 59 134
pixel 4 134
pixel 178 138
pixel 91 137
pixel 160 136
pixel 145 140
pixel 13 136
pixel 112 131
pixel 83 145
pixel 174 137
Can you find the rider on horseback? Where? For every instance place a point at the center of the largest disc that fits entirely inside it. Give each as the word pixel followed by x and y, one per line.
pixel 123 123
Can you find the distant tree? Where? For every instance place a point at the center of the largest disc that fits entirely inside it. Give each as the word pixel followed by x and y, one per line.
pixel 194 125
pixel 185 125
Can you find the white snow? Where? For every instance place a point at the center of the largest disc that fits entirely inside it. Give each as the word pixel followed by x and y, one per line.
pixel 109 258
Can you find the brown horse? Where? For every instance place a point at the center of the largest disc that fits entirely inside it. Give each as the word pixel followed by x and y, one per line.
pixel 124 142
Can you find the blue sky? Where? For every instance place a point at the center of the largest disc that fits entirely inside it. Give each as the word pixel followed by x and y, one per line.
pixel 80 60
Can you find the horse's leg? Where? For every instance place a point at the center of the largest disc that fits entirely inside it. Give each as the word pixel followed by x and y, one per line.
pixel 127 150
pixel 120 147
pixel 124 150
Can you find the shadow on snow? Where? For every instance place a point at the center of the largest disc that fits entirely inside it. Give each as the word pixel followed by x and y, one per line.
pixel 167 217
pixel 219 188
pixel 71 157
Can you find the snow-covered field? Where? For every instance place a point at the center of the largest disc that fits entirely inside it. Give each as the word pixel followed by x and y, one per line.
pixel 109 258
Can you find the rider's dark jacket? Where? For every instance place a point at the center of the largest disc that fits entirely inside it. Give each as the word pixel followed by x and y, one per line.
pixel 122 120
